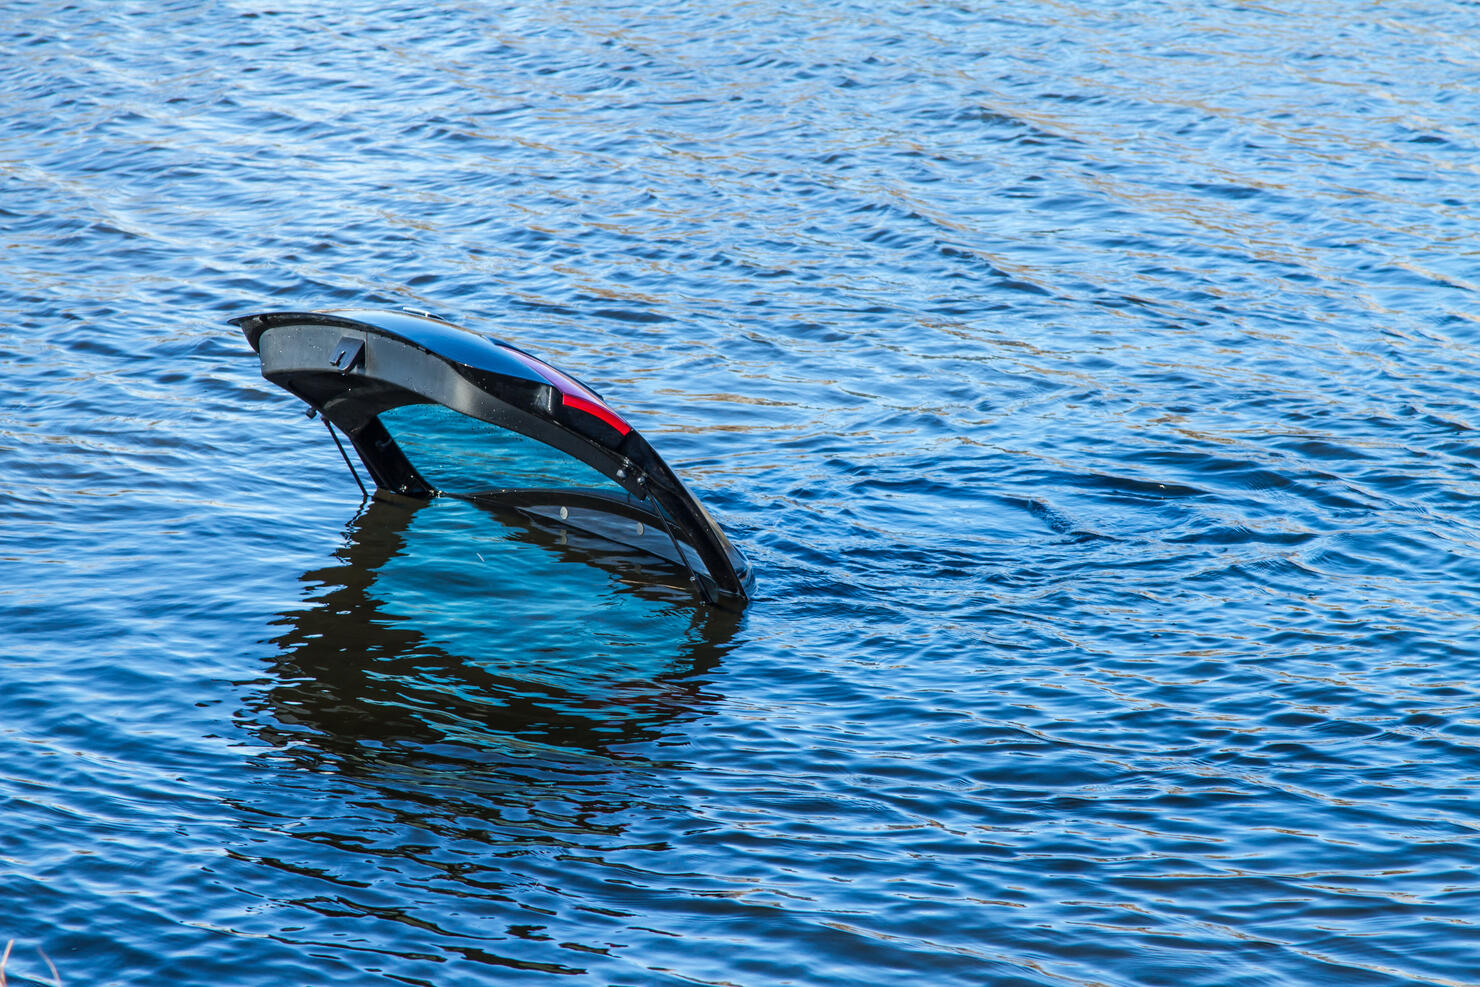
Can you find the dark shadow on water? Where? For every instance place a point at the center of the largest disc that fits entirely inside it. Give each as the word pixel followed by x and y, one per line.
pixel 439 624
pixel 461 709
pixel 461 687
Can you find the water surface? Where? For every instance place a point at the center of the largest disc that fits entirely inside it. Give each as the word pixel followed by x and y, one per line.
pixel 1093 388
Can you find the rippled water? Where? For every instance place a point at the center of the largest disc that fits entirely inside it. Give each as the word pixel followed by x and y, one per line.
pixel 1093 387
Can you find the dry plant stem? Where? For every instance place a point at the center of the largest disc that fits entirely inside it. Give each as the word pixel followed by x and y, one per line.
pixel 55 977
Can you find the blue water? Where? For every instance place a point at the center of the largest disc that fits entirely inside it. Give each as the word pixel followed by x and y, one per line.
pixel 1094 389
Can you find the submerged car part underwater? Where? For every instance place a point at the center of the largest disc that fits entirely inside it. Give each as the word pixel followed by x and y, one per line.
pixel 490 423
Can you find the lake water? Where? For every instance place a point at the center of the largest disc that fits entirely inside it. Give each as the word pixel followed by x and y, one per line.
pixel 1093 387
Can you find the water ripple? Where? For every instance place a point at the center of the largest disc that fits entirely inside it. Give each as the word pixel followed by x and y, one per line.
pixel 1089 387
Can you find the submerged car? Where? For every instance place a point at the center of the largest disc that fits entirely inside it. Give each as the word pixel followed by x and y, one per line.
pixel 433 409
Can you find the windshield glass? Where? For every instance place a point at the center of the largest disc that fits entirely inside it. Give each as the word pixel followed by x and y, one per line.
pixel 459 454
